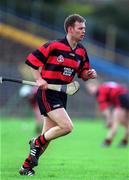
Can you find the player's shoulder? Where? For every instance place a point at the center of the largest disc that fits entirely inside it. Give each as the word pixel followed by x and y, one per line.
pixel 49 43
pixel 53 42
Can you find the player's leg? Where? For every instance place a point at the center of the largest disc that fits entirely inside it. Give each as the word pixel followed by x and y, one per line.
pixel 125 123
pixel 54 128
pixel 124 100
pixel 38 118
pixel 52 105
pixel 27 166
pixel 63 121
pixel 59 124
pixel 116 116
pixel 48 124
pixel 62 125
pixel 56 124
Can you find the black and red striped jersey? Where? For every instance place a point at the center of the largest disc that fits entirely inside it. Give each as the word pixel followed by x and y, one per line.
pixel 108 94
pixel 59 61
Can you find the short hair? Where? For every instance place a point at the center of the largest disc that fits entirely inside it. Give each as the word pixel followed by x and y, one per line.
pixel 71 19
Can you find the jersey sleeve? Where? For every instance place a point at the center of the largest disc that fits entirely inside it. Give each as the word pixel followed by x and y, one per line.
pixel 84 65
pixel 39 57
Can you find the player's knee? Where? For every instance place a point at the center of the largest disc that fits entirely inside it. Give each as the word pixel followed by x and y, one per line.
pixel 68 128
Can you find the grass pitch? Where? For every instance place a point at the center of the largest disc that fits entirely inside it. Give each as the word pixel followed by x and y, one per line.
pixel 77 156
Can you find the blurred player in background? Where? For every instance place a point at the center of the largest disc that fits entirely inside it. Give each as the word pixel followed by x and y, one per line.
pixel 29 94
pixel 113 101
pixel 59 60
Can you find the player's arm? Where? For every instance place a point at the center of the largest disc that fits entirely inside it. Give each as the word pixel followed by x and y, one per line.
pixel 36 60
pixel 85 72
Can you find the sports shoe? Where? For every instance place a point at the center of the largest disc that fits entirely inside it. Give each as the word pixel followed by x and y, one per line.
pixel 106 143
pixel 26 171
pixel 123 143
pixel 34 152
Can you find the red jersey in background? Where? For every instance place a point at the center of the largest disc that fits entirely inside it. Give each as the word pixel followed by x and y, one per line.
pixel 108 94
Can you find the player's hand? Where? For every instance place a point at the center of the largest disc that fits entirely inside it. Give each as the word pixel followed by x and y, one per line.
pixel 90 74
pixel 42 83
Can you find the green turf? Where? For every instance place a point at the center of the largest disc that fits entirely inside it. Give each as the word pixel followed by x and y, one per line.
pixel 77 156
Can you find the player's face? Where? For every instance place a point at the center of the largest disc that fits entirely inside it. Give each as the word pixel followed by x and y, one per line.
pixel 78 31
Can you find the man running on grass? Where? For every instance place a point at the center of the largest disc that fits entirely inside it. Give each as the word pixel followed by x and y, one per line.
pixel 60 60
